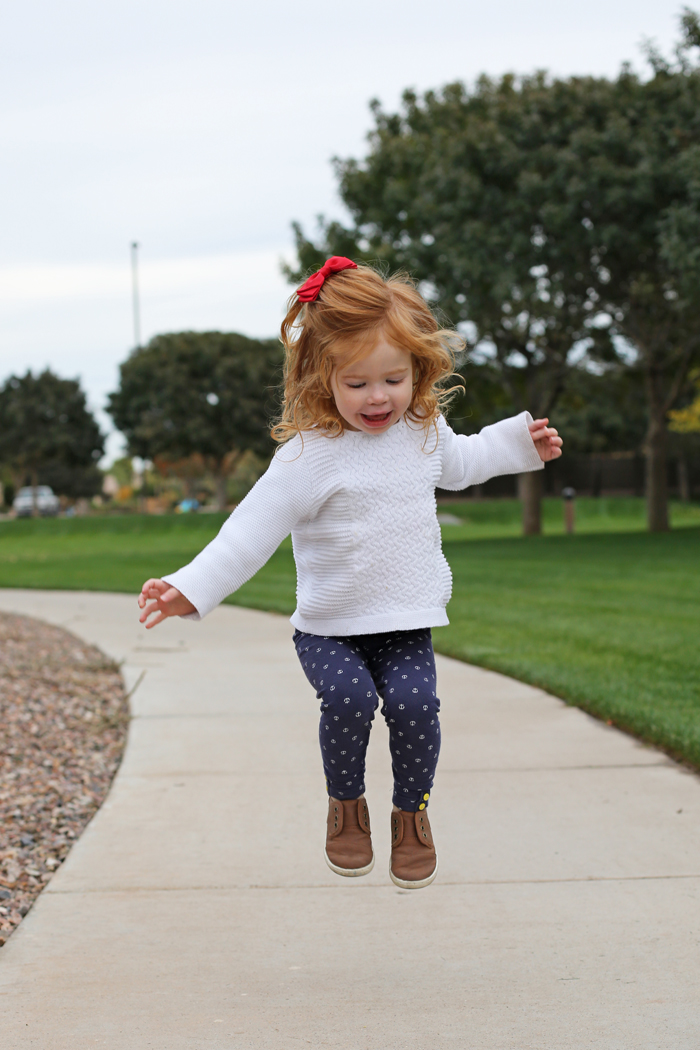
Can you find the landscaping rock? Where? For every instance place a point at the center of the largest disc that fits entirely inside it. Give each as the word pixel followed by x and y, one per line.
pixel 63 723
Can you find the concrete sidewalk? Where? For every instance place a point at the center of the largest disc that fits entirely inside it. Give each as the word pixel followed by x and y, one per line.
pixel 197 912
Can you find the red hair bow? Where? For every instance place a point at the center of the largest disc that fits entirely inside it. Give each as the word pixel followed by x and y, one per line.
pixel 308 293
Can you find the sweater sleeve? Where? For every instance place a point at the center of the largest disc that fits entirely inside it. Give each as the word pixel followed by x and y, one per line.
pixel 502 448
pixel 283 496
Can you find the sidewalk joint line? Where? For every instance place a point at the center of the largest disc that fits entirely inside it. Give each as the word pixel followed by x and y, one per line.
pixel 664 763
pixel 454 772
pixel 230 887
pixel 219 714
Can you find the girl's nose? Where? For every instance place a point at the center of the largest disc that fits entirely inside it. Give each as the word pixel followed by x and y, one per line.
pixel 377 395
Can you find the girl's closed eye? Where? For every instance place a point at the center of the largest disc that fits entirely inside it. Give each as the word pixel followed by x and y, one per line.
pixel 391 382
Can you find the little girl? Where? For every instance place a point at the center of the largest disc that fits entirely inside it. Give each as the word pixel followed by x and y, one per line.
pixel 363 446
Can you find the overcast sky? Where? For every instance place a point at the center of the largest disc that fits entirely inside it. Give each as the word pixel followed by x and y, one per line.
pixel 202 129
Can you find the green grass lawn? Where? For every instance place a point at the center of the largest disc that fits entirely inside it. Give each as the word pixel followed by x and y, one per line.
pixel 610 622
pixel 608 619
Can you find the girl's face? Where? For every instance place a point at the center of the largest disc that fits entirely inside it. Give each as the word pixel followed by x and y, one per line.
pixel 373 393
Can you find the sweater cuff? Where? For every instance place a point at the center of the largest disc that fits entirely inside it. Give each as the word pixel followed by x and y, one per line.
pixel 524 437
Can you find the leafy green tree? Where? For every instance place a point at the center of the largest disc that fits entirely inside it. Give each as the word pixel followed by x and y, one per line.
pixel 553 218
pixel 48 434
pixel 631 179
pixel 456 189
pixel 206 393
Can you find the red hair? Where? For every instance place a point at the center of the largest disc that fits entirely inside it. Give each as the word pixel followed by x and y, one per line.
pixel 353 309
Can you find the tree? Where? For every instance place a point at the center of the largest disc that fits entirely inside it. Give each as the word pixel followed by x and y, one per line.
pixel 48 434
pixel 553 217
pixel 456 190
pixel 206 393
pixel 633 180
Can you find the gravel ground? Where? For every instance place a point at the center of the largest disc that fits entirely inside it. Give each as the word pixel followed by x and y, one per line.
pixel 63 723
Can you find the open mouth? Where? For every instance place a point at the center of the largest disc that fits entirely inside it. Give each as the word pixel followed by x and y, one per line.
pixel 376 421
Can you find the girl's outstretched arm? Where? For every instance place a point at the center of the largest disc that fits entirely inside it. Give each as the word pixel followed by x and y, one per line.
pixel 508 447
pixel 165 600
pixel 287 492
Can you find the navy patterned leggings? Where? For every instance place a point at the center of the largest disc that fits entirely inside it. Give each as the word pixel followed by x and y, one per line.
pixel 349 676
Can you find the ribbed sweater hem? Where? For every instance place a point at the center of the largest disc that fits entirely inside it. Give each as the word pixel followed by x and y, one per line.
pixel 378 623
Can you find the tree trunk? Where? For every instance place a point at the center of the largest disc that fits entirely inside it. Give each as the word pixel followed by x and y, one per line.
pixel 221 479
pixel 223 469
pixel 530 493
pixel 657 470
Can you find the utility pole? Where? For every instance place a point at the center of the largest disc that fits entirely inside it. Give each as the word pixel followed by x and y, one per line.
pixel 135 292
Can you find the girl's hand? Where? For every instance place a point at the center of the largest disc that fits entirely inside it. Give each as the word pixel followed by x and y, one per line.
pixel 547 440
pixel 164 601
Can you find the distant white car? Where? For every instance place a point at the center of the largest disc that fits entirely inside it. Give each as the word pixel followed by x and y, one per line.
pixel 46 503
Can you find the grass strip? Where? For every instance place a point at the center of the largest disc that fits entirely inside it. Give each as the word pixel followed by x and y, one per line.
pixel 609 623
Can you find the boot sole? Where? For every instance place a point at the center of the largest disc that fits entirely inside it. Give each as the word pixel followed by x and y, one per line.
pixel 418 884
pixel 349 872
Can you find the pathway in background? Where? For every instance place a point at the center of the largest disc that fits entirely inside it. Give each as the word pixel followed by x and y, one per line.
pixel 197 913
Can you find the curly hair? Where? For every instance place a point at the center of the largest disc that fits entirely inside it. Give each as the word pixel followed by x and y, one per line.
pixel 354 308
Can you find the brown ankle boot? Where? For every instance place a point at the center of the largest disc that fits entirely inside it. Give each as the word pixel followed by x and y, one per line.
pixel 414 861
pixel 348 840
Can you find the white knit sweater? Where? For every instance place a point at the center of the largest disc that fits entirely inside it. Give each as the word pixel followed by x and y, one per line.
pixel 362 514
